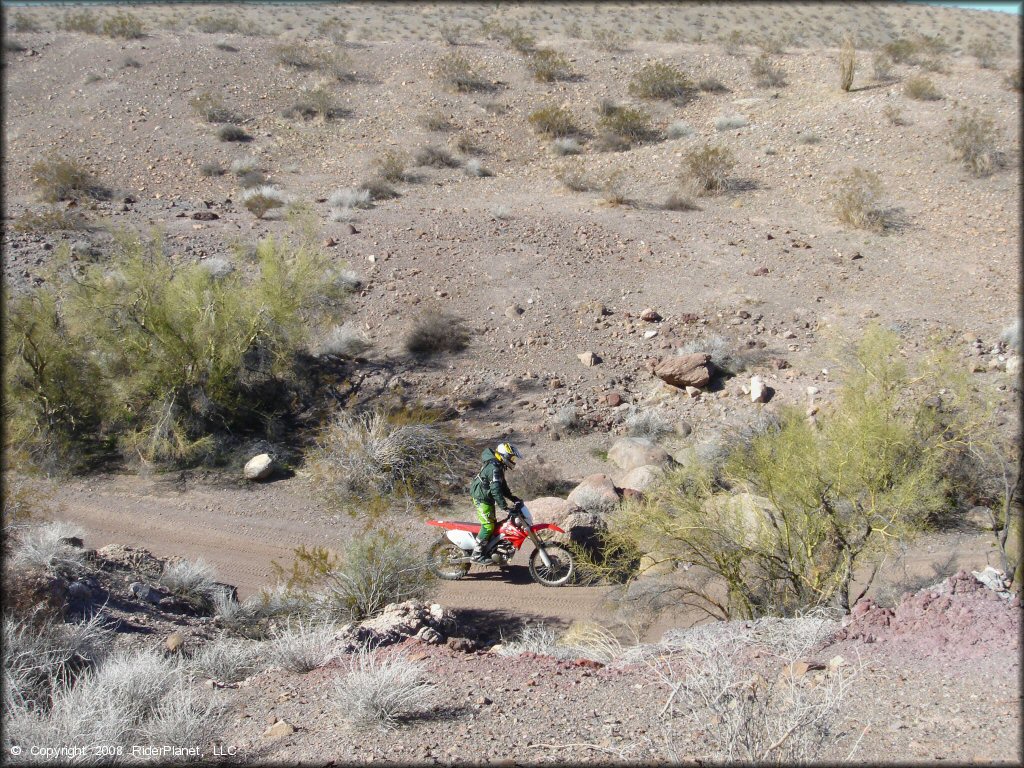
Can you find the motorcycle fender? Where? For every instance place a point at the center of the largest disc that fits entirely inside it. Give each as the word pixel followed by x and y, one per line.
pixel 462 539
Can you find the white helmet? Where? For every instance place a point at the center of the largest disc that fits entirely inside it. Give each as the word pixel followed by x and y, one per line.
pixel 507 454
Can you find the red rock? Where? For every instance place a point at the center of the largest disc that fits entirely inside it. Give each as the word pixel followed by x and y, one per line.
pixel 613 399
pixel 685 370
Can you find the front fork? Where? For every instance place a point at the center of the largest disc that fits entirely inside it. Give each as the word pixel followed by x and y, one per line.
pixel 540 548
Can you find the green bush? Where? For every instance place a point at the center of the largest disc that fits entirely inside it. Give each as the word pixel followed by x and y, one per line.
pixel 56 178
pixel 553 121
pixel 661 81
pixel 210 107
pixel 459 74
pixel 126 26
pixel 985 51
pixel 24 23
pixel 765 73
pixel 632 126
pixel 436 331
pixel 232 133
pixel 80 21
pixel 548 66
pixel 808 504
pixel 155 360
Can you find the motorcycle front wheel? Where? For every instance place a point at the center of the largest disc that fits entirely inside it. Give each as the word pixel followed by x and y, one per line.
pixel 443 562
pixel 562 565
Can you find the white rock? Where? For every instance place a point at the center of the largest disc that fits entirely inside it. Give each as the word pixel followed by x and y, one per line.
pixel 589 359
pixel 758 390
pixel 259 467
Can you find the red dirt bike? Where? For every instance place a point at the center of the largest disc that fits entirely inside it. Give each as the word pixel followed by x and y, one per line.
pixel 551 563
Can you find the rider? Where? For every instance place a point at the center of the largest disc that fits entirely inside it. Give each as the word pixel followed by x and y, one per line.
pixel 489 491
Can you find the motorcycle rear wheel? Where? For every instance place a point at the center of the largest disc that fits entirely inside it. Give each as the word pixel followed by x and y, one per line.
pixel 562 565
pixel 441 556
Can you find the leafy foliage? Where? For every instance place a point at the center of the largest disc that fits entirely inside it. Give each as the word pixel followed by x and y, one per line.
pixel 661 81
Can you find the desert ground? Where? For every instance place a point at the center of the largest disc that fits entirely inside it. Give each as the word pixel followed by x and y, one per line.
pixel 543 272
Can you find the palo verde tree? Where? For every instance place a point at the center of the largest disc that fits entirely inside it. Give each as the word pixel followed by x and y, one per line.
pixel 797 506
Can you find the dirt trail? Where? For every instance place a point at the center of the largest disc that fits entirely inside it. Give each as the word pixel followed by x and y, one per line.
pixel 241 529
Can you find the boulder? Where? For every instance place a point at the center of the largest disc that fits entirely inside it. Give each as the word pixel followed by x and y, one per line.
pixel 594 491
pixel 640 478
pixel 746 514
pixel 548 509
pixel 631 452
pixel 279 730
pixel 399 621
pixel 589 359
pixel 259 467
pixel 685 370
pixel 581 528
pixel 174 642
pixel 145 592
pixel 758 390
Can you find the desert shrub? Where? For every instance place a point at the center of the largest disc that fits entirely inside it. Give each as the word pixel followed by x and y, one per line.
pixel 566 145
pixel 711 84
pixel 376 570
pixel 661 81
pixel 220 23
pixel 296 55
pixel 381 690
pixel 536 638
pixel 379 189
pixel 80 21
pixel 459 74
pixel 302 646
pixel 548 66
pixel 129 63
pixel 13 46
pixel 810 139
pixel 391 165
pixel 646 422
pixel 124 25
pixel 435 157
pixel 475 168
pixel 730 122
pixel 467 145
pixel 344 341
pixel 1011 336
pixel 734 42
pixel 902 51
pixel 855 200
pixel 211 169
pixel 509 32
pixel 535 479
pixel 436 331
pixel 370 458
pixel 129 699
pixel 869 476
pixel 233 133
pixel 1013 80
pixel 316 102
pixel 894 115
pixel 679 202
pixel 155 360
pixel 350 198
pixel 436 120
pixel 609 40
pixel 56 178
pixel 973 138
pixel 847 63
pixel 921 88
pixel 881 67
pixel 573 176
pixel 631 126
pixel 52 220
pixel 553 121
pixel 250 179
pixel 45 547
pixel 22 22
pixel 226 660
pixel 679 130
pixel 723 354
pixel 985 52
pixel 782 720
pixel 501 212
pixel 243 165
pixel 210 107
pixel 765 73
pixel 334 30
pixel 708 168
pixel 261 200
pixel 613 187
pixel 192 580
pixel 42 658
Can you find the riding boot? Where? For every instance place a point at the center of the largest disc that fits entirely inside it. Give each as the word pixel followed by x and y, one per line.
pixel 478 555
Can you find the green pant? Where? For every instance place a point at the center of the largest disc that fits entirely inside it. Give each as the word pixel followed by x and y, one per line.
pixel 485 515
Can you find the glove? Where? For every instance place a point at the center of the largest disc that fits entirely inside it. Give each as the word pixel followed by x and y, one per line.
pixel 516 500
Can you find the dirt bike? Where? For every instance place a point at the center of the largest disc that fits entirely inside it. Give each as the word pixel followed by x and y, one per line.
pixel 550 564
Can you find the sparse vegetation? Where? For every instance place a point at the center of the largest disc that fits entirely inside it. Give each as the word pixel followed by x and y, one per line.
pixel 548 66
pixel 894 115
pixel 459 73
pixel 856 200
pixel 476 169
pixel 881 67
pixel 436 120
pixel 573 176
pixel 765 73
pixel 259 201
pixel 847 63
pixel 647 422
pixel 553 121
pixel 707 168
pixel 52 219
pixel 57 178
pixel 391 165
pixel 192 580
pixel 124 25
pixel 302 646
pixel 679 202
pixel 222 23
pixel 436 331
pixel 47 547
pixel 80 21
pixel 921 88
pixel 730 122
pixel 661 81
pixel 344 341
pixel 985 51
pixel 22 22
pixel 566 145
pixel 436 157
pixel 233 133
pixel 973 138
pixel 315 102
pixel 629 126
pixel 381 690
pixel 711 84
pixel 210 107
pixel 679 130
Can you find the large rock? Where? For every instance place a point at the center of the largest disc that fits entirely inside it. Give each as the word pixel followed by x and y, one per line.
pixel 582 528
pixel 631 452
pixel 641 478
pixel 400 621
pixel 685 370
pixel 259 467
pixel 595 493
pixel 747 515
pixel 548 509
